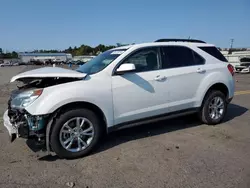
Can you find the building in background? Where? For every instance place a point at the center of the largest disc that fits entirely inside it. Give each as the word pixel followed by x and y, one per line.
pixel 27 57
pixel 237 57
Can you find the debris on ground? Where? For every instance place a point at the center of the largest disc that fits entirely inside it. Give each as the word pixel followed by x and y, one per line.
pixel 15 161
pixel 70 184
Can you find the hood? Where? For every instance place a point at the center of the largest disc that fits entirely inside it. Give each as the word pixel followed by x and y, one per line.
pixel 48 72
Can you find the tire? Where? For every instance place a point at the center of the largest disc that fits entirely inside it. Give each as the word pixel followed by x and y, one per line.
pixel 56 138
pixel 204 113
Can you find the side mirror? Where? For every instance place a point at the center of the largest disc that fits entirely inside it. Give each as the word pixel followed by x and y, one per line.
pixel 126 67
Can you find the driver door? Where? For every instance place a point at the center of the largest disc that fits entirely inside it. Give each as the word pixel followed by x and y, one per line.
pixel 135 94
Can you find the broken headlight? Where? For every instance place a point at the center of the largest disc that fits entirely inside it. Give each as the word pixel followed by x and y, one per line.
pixel 25 98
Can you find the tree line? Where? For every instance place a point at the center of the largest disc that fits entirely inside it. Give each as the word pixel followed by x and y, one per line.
pixel 81 50
pixel 8 55
pixel 75 51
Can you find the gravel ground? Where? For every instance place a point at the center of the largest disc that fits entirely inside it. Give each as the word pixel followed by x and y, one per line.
pixel 173 153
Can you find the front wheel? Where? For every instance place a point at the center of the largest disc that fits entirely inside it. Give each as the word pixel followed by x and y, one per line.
pixel 214 108
pixel 75 133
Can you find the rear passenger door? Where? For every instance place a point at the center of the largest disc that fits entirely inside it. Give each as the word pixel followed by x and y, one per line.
pixel 184 70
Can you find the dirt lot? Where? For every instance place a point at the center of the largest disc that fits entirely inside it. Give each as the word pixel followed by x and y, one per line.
pixel 173 153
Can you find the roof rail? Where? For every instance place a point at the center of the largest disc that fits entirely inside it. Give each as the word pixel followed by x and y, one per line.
pixel 180 40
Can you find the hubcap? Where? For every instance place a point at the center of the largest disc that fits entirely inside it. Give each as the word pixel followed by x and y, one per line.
pixel 216 108
pixel 76 134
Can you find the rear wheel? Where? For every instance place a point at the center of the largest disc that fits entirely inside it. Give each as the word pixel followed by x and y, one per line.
pixel 214 108
pixel 75 133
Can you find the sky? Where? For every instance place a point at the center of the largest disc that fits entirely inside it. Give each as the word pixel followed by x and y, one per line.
pixel 57 24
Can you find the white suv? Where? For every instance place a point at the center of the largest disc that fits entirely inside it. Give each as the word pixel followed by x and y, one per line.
pixel 70 110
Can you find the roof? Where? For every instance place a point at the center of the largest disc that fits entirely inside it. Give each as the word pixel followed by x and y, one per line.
pixel 177 43
pixel 164 44
pixel 180 40
pixel 42 54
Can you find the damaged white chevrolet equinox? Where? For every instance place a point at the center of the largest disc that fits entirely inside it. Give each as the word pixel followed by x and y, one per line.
pixel 70 110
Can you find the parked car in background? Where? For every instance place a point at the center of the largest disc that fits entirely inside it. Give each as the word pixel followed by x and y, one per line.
pixel 23 63
pixel 71 110
pixel 57 61
pixel 48 62
pixel 36 62
pixel 76 62
pixel 80 62
pixel 6 64
pixel 11 62
pixel 15 62
pixel 243 67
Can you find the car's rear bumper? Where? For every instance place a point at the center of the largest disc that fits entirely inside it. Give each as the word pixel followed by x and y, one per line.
pixel 12 130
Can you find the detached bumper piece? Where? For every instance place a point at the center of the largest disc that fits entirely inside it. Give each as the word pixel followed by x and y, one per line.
pixel 12 130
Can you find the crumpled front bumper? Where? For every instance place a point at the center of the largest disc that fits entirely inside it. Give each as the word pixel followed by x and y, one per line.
pixel 12 130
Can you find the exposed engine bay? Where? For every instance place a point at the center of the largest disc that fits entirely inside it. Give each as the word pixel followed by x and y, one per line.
pixel 27 125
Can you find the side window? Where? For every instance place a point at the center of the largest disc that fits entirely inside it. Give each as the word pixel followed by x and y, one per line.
pixel 213 51
pixel 198 59
pixel 178 56
pixel 144 59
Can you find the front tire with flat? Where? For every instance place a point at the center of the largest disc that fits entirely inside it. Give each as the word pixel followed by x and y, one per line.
pixel 75 133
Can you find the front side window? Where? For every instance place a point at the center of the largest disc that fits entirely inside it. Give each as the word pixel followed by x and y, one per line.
pixel 100 62
pixel 179 56
pixel 144 59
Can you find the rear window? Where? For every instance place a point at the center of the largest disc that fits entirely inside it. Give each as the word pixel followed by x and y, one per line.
pixel 213 51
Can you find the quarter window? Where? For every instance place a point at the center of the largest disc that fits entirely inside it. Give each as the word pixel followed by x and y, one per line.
pixel 144 59
pixel 213 51
pixel 198 59
pixel 179 56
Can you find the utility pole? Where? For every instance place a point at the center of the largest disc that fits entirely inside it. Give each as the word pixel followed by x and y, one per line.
pixel 231 44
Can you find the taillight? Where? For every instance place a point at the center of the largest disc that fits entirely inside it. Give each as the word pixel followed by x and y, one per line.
pixel 231 69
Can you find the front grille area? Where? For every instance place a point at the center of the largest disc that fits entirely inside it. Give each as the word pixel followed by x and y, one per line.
pixel 14 114
pixel 9 103
pixel 11 113
pixel 240 68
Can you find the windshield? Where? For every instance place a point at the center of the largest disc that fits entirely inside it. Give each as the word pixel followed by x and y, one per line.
pixel 100 62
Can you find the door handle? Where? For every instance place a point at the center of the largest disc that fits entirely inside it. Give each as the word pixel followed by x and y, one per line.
pixel 200 70
pixel 160 78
